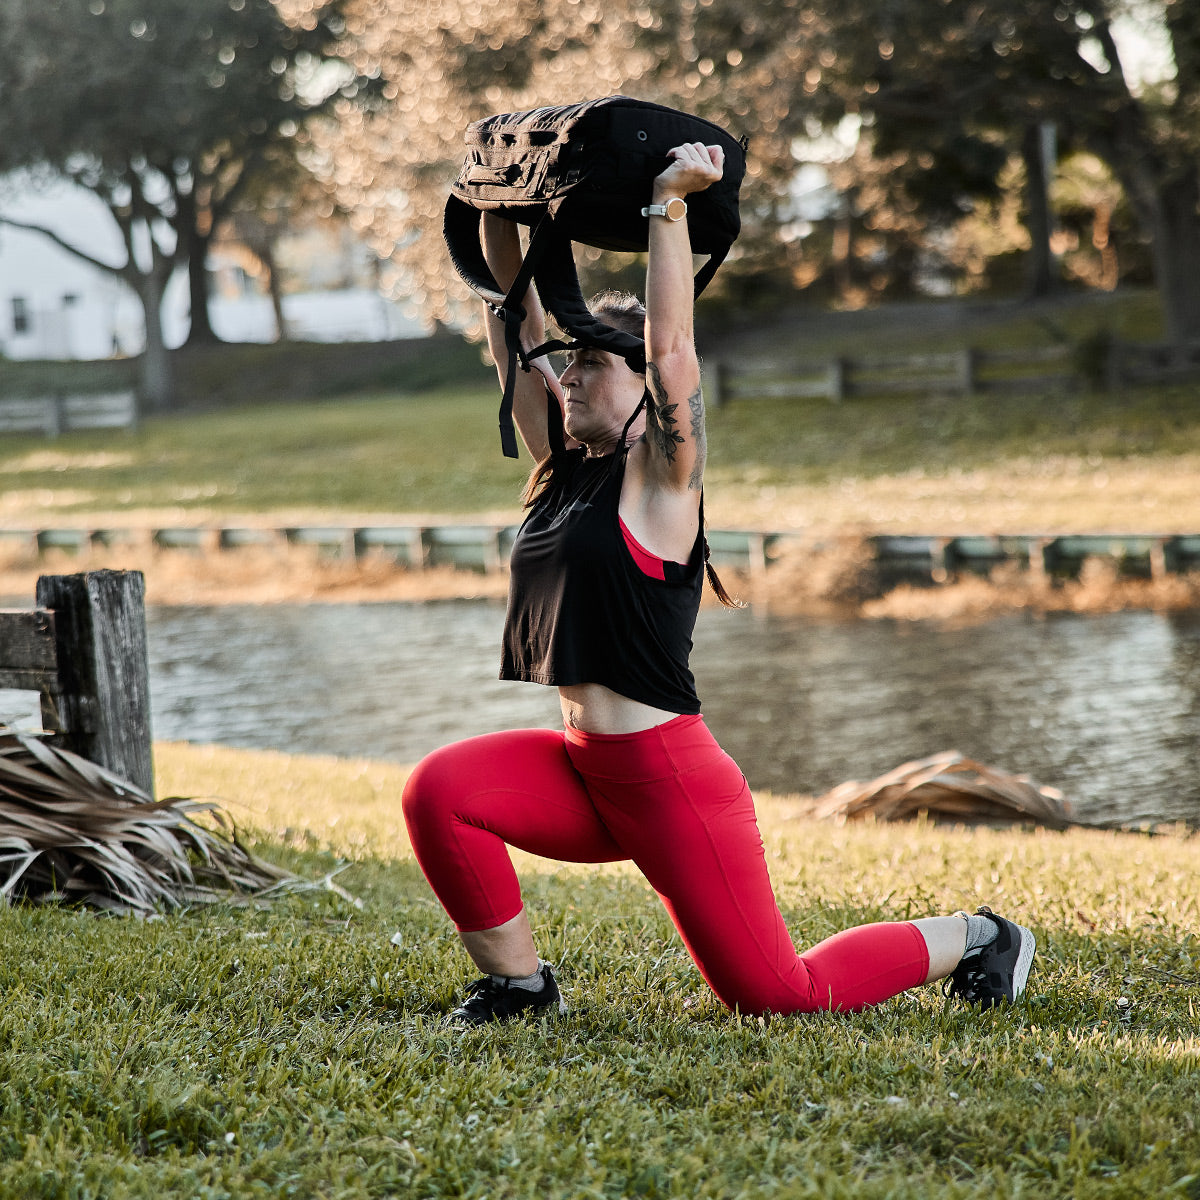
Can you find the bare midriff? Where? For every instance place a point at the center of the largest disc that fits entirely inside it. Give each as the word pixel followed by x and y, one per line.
pixel 596 709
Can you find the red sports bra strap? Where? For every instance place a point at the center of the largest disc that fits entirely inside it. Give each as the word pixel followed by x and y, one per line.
pixel 648 563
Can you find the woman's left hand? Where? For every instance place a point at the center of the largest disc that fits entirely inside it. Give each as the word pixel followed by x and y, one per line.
pixel 695 167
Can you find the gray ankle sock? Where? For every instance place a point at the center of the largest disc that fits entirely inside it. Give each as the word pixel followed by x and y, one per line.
pixel 981 931
pixel 527 983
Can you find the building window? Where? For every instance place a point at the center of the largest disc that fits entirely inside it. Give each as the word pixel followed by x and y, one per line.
pixel 20 314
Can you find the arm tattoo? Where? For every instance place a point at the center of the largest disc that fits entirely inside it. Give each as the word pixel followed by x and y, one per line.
pixel 660 417
pixel 696 404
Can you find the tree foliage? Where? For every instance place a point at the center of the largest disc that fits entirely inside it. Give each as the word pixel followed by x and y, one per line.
pixel 948 97
pixel 447 64
pixel 166 110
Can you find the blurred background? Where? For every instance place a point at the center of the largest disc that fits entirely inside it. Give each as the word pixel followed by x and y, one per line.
pixel 220 236
pixel 181 172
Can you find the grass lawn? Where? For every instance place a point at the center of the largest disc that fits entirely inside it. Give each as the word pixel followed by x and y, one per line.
pixel 382 453
pixel 295 1050
pixel 1040 463
pixel 1017 464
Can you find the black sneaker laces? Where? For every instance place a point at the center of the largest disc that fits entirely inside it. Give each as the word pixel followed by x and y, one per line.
pixel 481 993
pixel 967 980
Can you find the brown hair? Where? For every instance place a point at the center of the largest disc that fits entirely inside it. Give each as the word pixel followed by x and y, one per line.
pixel 621 310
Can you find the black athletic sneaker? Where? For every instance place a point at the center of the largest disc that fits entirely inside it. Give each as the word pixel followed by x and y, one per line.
pixel 488 1000
pixel 997 972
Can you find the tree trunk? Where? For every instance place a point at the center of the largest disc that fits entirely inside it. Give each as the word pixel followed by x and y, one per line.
pixel 1166 199
pixel 1043 269
pixel 1177 254
pixel 156 377
pixel 843 250
pixel 1102 239
pixel 200 332
pixel 267 254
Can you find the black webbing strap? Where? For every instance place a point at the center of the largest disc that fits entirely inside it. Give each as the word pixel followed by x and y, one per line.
pixel 706 272
pixel 558 287
pixel 619 453
pixel 512 313
pixel 554 423
pixel 512 319
pixel 553 346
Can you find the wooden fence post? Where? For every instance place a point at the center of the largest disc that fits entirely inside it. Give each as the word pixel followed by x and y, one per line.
pixel 55 415
pixel 837 382
pixel 1114 365
pixel 714 383
pixel 100 635
pixel 966 370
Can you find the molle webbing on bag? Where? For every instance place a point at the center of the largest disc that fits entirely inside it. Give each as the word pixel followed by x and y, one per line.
pixel 579 173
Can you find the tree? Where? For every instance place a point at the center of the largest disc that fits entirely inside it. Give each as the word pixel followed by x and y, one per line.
pixel 165 110
pixel 273 205
pixel 445 65
pixel 948 94
pixel 1006 68
pixel 766 70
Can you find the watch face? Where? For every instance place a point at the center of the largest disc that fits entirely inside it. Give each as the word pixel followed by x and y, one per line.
pixel 676 209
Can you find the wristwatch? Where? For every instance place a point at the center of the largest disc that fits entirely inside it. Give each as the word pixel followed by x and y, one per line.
pixel 675 209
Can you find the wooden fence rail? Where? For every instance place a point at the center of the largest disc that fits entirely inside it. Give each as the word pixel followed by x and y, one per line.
pixel 925 559
pixel 55 414
pixel 915 557
pixel 1141 362
pixel 83 650
pixel 964 372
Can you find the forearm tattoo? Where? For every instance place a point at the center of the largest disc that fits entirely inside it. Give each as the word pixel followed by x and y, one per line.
pixel 660 417
pixel 696 404
pixel 662 421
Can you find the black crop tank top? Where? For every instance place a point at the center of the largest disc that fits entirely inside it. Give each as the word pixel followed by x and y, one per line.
pixel 581 610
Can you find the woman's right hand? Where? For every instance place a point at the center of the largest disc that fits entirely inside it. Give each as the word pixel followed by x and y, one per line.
pixel 695 167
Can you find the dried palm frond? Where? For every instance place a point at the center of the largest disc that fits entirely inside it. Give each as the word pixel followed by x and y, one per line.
pixel 947 787
pixel 74 832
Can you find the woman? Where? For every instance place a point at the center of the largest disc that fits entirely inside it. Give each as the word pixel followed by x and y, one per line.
pixel 606 580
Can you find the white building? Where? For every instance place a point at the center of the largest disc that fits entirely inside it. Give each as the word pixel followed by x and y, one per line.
pixel 54 305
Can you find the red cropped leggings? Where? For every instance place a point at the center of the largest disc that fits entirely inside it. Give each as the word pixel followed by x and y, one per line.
pixel 674 802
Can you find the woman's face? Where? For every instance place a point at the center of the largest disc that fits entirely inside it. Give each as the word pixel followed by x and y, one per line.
pixel 601 392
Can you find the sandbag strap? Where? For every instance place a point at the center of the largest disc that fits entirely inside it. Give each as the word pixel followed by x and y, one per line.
pixel 553 346
pixel 555 433
pixel 512 319
pixel 462 234
pixel 622 449
pixel 558 286
pixel 706 272
pixel 512 313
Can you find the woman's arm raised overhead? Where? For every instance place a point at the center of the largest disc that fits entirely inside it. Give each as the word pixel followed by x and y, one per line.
pixel 675 442
pixel 502 250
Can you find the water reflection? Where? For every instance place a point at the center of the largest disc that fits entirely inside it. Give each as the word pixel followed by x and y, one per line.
pixel 1105 707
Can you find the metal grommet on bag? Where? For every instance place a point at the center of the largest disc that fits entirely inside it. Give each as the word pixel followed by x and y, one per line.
pixel 642 135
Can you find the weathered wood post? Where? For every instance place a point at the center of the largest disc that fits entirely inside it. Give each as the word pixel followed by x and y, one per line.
pixel 55 415
pixel 27 659
pixel 965 369
pixel 103 671
pixel 714 384
pixel 836 379
pixel 1114 365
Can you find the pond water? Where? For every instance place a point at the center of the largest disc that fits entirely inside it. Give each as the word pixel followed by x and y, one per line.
pixel 1106 707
